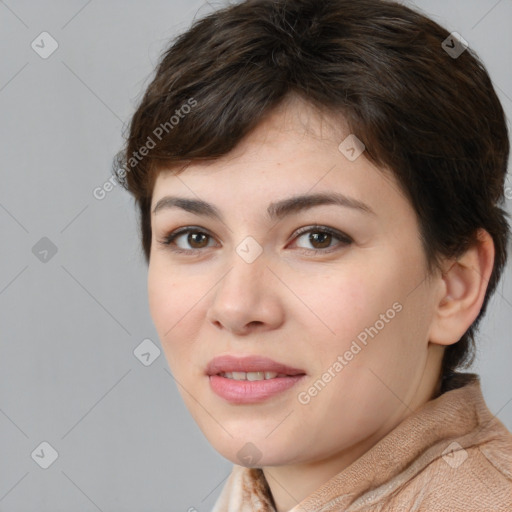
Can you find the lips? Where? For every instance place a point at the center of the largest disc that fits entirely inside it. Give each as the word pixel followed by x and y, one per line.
pixel 230 364
pixel 251 379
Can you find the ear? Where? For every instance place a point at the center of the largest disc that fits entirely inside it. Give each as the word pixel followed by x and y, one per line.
pixel 462 288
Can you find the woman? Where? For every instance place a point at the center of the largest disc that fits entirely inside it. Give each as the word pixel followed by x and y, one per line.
pixel 320 186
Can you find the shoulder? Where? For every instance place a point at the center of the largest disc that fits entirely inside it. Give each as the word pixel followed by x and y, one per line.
pixel 472 479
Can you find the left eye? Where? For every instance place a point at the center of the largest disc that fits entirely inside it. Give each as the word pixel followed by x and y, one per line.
pixel 322 238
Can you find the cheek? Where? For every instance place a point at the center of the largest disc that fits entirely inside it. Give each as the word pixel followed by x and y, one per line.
pixel 365 313
pixel 171 292
pixel 160 299
pixel 173 304
pixel 348 304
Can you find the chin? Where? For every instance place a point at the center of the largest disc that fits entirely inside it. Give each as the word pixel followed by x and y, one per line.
pixel 250 448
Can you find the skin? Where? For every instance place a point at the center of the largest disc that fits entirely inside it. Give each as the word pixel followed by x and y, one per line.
pixel 301 308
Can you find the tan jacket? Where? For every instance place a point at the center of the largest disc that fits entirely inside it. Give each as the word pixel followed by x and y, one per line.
pixel 451 455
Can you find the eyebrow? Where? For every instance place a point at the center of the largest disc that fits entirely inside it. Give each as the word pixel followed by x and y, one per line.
pixel 275 211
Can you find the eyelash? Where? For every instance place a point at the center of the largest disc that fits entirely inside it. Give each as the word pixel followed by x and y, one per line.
pixel 168 241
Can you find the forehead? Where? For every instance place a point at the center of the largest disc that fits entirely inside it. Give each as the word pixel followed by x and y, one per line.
pixel 292 122
pixel 295 150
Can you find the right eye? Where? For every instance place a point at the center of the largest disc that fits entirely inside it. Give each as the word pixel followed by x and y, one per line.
pixel 195 238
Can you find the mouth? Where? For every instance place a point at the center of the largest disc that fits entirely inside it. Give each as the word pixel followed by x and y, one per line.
pixel 252 376
pixel 250 379
pixel 250 368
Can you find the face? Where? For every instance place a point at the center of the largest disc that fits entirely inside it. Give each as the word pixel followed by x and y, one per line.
pixel 296 329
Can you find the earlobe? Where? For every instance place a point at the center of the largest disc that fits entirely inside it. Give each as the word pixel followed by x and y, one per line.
pixel 463 285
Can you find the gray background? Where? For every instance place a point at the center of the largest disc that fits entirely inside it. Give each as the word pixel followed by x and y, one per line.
pixel 69 324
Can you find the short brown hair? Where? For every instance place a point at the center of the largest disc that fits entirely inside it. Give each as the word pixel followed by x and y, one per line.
pixel 434 120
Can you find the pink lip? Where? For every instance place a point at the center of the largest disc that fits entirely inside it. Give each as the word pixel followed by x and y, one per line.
pixel 248 364
pixel 245 392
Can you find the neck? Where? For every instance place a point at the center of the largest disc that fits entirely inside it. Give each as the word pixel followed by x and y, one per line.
pixel 290 485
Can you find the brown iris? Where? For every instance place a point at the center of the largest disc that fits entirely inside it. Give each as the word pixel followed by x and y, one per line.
pixel 194 237
pixel 314 238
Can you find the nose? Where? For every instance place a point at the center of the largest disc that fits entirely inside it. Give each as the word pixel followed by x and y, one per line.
pixel 247 298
